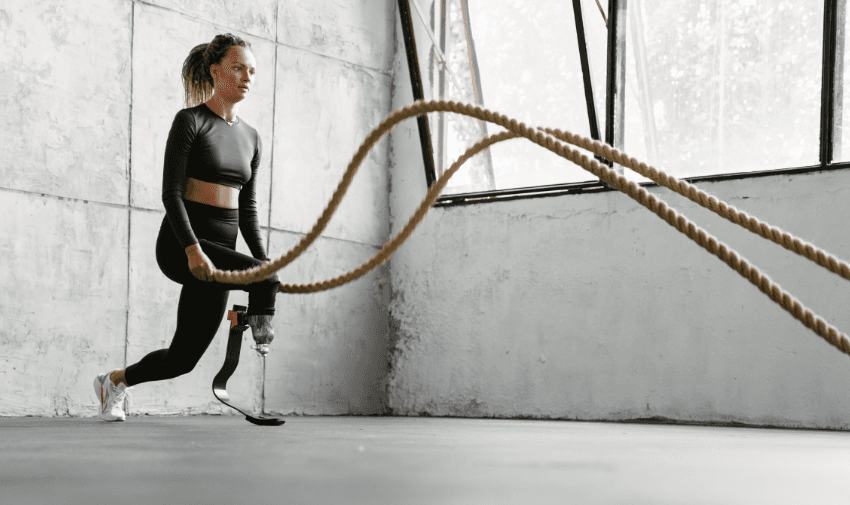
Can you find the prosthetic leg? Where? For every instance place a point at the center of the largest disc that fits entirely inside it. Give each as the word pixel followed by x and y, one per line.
pixel 238 324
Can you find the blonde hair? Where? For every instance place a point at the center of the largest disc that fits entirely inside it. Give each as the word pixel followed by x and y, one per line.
pixel 197 79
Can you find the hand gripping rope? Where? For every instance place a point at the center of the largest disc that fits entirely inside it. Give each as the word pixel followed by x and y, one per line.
pixel 557 141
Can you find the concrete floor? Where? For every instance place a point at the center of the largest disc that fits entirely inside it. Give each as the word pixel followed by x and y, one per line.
pixel 412 460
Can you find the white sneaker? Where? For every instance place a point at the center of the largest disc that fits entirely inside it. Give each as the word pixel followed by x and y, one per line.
pixel 111 397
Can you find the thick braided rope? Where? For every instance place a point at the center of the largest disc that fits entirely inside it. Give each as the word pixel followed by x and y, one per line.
pixel 725 253
pixel 264 271
pixel 710 202
pixel 708 242
pixel 737 263
pixel 391 246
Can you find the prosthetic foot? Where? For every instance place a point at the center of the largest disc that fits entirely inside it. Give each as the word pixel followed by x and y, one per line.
pixel 238 324
pixel 263 333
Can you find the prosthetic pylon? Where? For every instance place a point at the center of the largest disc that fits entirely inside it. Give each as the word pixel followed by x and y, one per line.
pixel 238 324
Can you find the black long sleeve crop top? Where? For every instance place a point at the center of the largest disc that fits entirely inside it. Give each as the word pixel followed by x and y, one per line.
pixel 202 145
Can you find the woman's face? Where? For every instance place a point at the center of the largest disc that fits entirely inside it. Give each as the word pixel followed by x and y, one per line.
pixel 234 76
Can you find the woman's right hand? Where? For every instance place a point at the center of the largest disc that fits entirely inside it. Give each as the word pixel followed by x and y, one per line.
pixel 199 263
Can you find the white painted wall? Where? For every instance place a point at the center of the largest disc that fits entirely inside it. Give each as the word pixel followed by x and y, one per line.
pixel 90 90
pixel 591 307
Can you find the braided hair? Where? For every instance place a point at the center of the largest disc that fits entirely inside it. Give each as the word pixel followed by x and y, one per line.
pixel 197 79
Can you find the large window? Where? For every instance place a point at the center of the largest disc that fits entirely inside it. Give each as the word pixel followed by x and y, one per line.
pixel 528 62
pixel 723 86
pixel 702 88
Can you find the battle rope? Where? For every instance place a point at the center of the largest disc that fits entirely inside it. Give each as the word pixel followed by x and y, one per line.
pixel 554 140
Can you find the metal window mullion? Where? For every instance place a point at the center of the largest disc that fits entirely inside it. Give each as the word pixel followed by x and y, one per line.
pixel 585 71
pixel 615 97
pixel 586 74
pixel 828 81
pixel 416 85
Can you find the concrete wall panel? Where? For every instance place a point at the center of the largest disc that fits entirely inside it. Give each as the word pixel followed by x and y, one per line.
pixel 93 298
pixel 325 109
pixel 590 307
pixel 74 147
pixel 162 40
pixel 63 291
pixel 358 32
pixel 256 17
pixel 152 322
pixel 329 356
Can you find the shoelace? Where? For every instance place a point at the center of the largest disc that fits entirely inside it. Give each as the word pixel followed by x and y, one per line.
pixel 119 397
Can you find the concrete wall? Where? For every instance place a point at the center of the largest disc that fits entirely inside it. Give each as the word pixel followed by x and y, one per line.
pixel 89 93
pixel 591 307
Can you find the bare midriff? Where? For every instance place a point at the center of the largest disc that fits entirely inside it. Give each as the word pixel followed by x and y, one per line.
pixel 217 195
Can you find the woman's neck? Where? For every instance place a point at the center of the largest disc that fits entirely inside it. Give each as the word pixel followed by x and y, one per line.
pixel 227 110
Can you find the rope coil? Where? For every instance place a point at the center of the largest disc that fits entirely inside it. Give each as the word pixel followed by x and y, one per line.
pixel 557 142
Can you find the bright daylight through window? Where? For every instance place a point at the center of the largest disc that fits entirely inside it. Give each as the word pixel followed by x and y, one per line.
pixel 723 86
pixel 711 86
pixel 529 68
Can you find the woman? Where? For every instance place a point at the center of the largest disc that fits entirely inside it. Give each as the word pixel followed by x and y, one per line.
pixel 208 190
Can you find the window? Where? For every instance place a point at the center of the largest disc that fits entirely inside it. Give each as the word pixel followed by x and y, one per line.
pixel 699 89
pixel 722 86
pixel 528 62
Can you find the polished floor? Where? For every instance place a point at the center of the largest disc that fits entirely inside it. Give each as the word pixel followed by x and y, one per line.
pixel 413 460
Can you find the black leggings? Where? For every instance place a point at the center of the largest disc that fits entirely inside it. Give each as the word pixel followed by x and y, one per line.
pixel 202 304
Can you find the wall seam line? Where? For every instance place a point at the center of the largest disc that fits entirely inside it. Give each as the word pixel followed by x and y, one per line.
pixel 387 409
pixel 260 37
pixel 75 199
pixel 271 179
pixel 162 212
pixel 129 197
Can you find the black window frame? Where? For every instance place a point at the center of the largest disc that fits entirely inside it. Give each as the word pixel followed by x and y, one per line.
pixel 831 87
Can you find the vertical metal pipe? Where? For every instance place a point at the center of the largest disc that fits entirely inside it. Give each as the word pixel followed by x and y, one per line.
pixel 441 116
pixel 828 81
pixel 416 84
pixel 615 99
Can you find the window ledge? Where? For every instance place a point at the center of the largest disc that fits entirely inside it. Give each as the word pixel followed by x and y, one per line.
pixel 588 187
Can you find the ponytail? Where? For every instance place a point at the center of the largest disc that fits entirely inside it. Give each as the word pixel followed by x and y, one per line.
pixel 197 79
